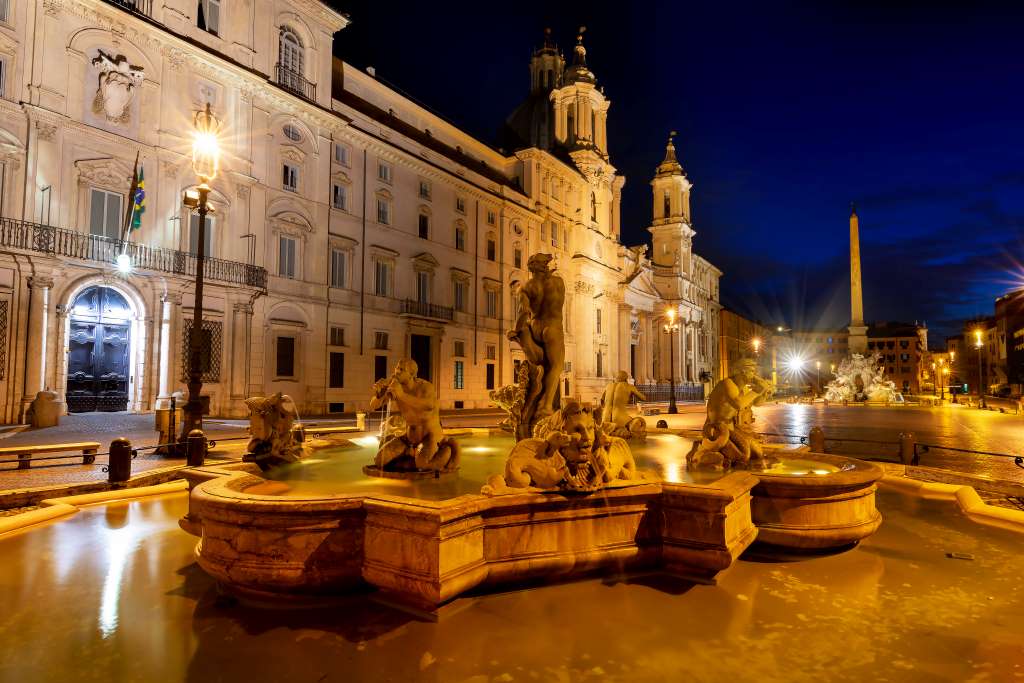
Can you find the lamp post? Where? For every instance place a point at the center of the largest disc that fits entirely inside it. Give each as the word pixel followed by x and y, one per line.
pixel 205 160
pixel 670 327
pixel 817 373
pixel 945 380
pixel 981 381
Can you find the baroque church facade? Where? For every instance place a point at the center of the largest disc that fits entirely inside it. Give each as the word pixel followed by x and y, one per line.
pixel 350 227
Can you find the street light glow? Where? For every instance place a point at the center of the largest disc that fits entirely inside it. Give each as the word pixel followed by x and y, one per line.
pixel 205 146
pixel 124 263
pixel 756 343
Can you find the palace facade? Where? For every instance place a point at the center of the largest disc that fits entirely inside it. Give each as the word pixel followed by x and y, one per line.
pixel 351 226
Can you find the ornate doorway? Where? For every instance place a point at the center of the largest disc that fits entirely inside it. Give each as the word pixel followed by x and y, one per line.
pixel 98 351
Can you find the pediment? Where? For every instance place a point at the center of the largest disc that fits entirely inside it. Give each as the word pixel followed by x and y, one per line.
pixel 108 172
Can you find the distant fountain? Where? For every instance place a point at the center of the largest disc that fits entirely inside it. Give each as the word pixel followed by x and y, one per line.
pixel 860 378
pixel 271 423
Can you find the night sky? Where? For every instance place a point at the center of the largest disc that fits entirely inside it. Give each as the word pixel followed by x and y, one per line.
pixel 786 113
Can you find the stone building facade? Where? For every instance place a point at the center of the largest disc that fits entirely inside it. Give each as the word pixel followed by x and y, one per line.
pixel 351 226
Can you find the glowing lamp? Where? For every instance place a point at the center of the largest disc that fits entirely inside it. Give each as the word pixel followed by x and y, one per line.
pixel 124 263
pixel 205 147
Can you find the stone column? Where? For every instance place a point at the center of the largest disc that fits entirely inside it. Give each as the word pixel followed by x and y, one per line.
pixel 241 327
pixel 624 338
pixel 170 342
pixel 35 341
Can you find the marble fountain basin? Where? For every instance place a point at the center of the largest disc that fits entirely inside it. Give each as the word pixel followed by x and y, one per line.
pixel 287 534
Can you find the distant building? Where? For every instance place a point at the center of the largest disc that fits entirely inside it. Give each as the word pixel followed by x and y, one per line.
pixel 740 338
pixel 1010 339
pixel 903 350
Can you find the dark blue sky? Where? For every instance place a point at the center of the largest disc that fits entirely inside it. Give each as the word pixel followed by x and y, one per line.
pixel 786 114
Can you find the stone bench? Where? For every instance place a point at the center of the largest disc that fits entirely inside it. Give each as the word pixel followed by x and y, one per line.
pixel 25 454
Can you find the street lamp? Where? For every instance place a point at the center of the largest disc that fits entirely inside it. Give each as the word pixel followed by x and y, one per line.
pixel 670 327
pixel 205 162
pixel 981 383
pixel 756 343
pixel 945 380
pixel 817 373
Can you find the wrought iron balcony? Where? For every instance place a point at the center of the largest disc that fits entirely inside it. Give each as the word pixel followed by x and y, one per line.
pixel 425 310
pixel 141 7
pixel 295 82
pixel 46 239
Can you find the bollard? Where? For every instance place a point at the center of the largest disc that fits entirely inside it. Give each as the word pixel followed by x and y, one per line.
pixel 361 421
pixel 196 450
pixel 908 455
pixel 119 468
pixel 816 440
pixel 662 424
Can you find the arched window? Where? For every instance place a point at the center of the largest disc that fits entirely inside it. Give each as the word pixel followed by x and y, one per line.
pixel 593 206
pixel 291 59
pixel 668 205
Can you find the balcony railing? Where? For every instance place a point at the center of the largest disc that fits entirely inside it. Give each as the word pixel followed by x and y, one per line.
pixel 685 391
pixel 47 239
pixel 295 82
pixel 425 310
pixel 141 7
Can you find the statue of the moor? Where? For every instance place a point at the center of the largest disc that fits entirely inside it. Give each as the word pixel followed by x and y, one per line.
pixel 271 419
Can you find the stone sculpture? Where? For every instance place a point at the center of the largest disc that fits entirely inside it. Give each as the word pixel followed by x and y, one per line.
pixel 118 82
pixel 567 452
pixel 538 331
pixel 615 414
pixel 511 398
pixel 861 378
pixel 271 422
pixel 416 443
pixel 729 437
pixel 44 411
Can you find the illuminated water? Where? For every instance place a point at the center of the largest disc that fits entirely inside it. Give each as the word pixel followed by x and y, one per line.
pixel 339 470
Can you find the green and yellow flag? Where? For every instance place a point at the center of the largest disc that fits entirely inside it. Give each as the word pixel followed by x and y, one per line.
pixel 139 206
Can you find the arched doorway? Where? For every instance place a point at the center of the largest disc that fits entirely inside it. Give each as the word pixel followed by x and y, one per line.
pixel 98 346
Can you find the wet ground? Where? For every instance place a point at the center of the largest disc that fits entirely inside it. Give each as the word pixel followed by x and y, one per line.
pixel 113 594
pixel 959 427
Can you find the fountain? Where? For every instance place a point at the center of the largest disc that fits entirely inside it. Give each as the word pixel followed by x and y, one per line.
pixel 861 379
pixel 271 424
pixel 561 496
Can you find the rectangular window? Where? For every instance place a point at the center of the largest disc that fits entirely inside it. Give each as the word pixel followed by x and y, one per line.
pixel 460 239
pixel 460 290
pixel 554 234
pixel 208 16
pixel 380 341
pixel 3 62
pixel 424 226
pixel 381 278
pixel 423 287
pixel 286 256
pixel 337 374
pixel 460 205
pixel 380 367
pixel 337 336
pixel 290 177
pixel 339 196
pixel 339 268
pixel 424 189
pixel 597 321
pixel 600 364
pixel 383 172
pixel 491 217
pixel 517 257
pixel 105 214
pixel 544 231
pixel 490 376
pixel 383 211
pixel 193 235
pixel 491 352
pixel 458 348
pixel 492 249
pixel 458 384
pixel 492 303
pixel 341 153
pixel 285 356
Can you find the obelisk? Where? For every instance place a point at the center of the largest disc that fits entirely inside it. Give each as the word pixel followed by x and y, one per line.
pixel 858 341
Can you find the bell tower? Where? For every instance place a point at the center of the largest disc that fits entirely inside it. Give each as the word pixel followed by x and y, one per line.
pixel 581 109
pixel 671 230
pixel 546 66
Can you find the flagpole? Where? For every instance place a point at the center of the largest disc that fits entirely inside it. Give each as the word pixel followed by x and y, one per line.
pixel 130 212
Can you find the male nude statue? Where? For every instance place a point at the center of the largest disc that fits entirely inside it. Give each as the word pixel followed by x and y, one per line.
pixel 728 430
pixel 423 438
pixel 538 330
pixel 615 416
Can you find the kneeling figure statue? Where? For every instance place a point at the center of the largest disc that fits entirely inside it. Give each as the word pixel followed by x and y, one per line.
pixel 615 417
pixel 419 444
pixel 729 438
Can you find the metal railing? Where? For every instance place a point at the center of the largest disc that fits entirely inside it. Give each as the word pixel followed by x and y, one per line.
pixel 47 239
pixel 685 391
pixel 295 82
pixel 425 310
pixel 141 7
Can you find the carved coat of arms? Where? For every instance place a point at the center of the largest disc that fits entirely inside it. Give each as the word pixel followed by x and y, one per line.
pixel 116 88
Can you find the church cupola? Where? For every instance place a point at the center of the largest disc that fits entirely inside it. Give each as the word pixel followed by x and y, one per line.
pixel 671 229
pixel 546 66
pixel 579 72
pixel 671 188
